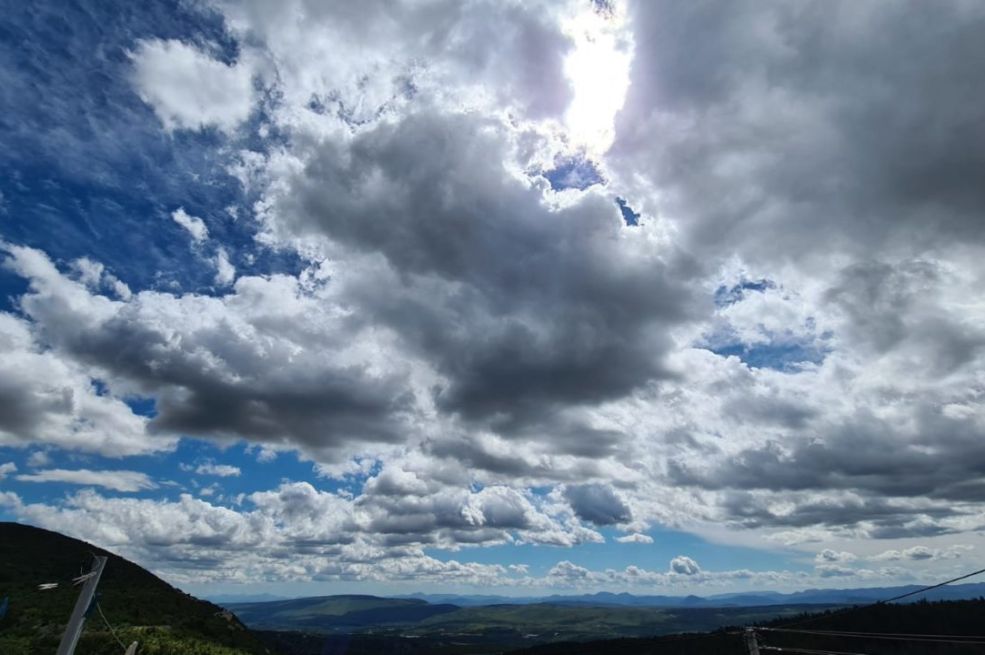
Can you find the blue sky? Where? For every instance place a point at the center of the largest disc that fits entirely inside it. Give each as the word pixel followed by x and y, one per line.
pixel 520 297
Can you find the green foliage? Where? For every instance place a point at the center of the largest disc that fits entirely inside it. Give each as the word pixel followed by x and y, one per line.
pixel 140 606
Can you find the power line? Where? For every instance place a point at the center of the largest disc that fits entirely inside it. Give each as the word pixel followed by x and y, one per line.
pixel 111 630
pixel 920 591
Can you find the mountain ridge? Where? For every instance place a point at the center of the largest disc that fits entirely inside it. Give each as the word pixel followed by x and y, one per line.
pixel 813 596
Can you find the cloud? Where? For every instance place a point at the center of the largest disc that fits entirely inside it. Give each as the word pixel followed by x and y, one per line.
pixel 432 235
pixel 923 553
pixel 597 503
pixel 828 556
pixel 126 481
pixel 266 455
pixel 38 459
pixel 49 399
pixel 387 54
pixel 194 225
pixel 635 538
pixel 217 380
pixel 6 469
pixel 835 571
pixel 221 470
pixel 188 89
pixel 798 86
pixel 684 566
pixel 225 272
pixel 331 534
pixel 453 333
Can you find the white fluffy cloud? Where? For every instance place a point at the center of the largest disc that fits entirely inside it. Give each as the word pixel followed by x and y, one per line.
pixel 684 566
pixel 194 225
pixel 635 538
pixel 923 553
pixel 189 89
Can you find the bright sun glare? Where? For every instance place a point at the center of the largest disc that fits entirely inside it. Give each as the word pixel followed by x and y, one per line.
pixel 598 68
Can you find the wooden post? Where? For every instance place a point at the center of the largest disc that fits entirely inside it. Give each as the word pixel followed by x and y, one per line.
pixel 74 628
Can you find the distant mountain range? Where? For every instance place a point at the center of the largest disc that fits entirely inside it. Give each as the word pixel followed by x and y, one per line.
pixel 359 624
pixel 742 599
pixel 224 599
pixel 603 598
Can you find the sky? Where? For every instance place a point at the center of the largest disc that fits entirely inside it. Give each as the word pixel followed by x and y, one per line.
pixel 398 296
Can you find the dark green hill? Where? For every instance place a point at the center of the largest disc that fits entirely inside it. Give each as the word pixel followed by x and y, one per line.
pixel 139 605
pixel 938 620
pixel 333 613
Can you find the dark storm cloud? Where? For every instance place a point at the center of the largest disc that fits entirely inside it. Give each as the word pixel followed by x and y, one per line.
pixel 597 503
pixel 769 118
pixel 522 309
pixel 942 460
pixel 920 518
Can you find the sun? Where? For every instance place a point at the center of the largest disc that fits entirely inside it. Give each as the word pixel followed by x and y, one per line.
pixel 598 70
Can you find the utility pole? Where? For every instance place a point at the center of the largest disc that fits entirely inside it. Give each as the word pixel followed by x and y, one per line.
pixel 74 628
pixel 752 643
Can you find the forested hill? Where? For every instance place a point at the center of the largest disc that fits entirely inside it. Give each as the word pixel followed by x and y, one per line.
pixel 139 605
pixel 940 620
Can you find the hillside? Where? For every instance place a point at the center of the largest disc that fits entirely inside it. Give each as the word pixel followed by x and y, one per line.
pixel 139 605
pixel 924 618
pixel 325 613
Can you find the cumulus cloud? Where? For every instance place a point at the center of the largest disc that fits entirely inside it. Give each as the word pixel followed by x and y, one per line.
pixel 635 538
pixel 332 535
pixel 49 399
pixel 189 89
pixel 684 566
pixel 216 379
pixel 597 503
pixel 6 469
pixel 126 481
pixel 923 553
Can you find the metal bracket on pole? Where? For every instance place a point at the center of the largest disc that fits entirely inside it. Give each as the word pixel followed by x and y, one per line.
pixel 74 628
pixel 752 643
